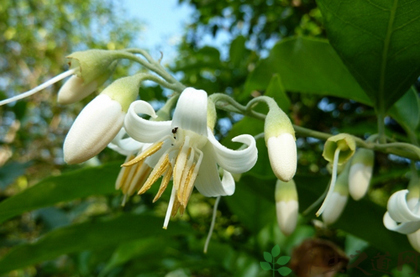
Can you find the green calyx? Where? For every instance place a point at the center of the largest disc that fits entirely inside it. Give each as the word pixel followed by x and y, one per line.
pixel 364 156
pixel 124 90
pixel 93 64
pixel 276 121
pixel 344 142
pixel 286 191
pixel 211 114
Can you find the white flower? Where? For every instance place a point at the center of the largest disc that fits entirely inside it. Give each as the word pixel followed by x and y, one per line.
pixel 414 239
pixel 287 206
pixel 283 156
pixel 360 173
pixel 402 215
pixel 96 125
pixel 186 149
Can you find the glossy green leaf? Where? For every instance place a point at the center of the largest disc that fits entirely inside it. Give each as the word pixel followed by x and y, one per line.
pixel 88 235
pixel 68 186
pixel 275 251
pixel 283 260
pixel 306 65
pixel 379 42
pixel 265 265
pixel 406 111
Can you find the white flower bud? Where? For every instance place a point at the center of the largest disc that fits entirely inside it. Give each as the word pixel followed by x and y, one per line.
pixel 287 206
pixel 96 125
pixel 334 208
pixel 360 173
pixel 414 239
pixel 283 156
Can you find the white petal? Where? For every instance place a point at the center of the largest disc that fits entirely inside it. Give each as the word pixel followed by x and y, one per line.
pixel 208 181
pixel 94 128
pixel 334 207
pixel 287 215
pixel 414 239
pixel 144 130
pixel 191 111
pixel 283 156
pixel 359 179
pixel 235 161
pixel 74 89
pixel 125 146
pixel 398 208
pixel 403 228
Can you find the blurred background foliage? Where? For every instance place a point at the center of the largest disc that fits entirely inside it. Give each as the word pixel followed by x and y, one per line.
pixel 72 224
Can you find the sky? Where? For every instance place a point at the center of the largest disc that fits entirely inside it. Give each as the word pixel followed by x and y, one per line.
pixel 164 23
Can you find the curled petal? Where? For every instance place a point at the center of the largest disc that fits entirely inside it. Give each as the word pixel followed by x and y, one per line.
pixel 235 161
pixel 191 111
pixel 403 228
pixel 125 146
pixel 94 128
pixel 208 182
pixel 414 239
pixel 144 130
pixel 398 208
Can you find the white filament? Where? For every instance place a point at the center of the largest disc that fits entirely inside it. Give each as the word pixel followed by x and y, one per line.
pixel 213 221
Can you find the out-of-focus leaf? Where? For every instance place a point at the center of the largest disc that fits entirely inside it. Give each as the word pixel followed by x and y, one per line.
pixel 10 172
pixel 378 41
pixel 237 50
pixel 275 251
pixel 283 260
pixel 265 265
pixel 308 66
pixel 276 90
pixel 406 111
pixel 66 187
pixel 89 235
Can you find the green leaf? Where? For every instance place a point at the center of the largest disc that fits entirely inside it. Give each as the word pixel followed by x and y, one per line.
pixel 275 251
pixel 10 172
pixel 88 235
pixel 283 260
pixel 406 111
pixel 284 271
pixel 66 187
pixel 265 265
pixel 237 50
pixel 378 41
pixel 276 90
pixel 306 65
pixel 268 257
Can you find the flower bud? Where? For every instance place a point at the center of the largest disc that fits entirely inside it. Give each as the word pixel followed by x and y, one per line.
pixel 344 142
pixel 92 64
pixel 360 173
pixel 338 199
pixel 75 89
pixel 280 140
pixel 100 121
pixel 287 206
pixel 414 239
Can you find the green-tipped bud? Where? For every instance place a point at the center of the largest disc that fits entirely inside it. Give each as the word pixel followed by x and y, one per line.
pixel 280 140
pixel 92 64
pixel 124 90
pixel 75 89
pixel 338 199
pixel 287 206
pixel 361 169
pixel 344 142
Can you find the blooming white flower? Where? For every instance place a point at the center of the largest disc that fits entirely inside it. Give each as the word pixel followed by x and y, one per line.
pixel 403 216
pixel 186 149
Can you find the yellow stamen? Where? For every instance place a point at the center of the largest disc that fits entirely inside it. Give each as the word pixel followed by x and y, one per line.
pixel 122 176
pixel 166 178
pixel 148 152
pixel 139 177
pixel 159 169
pixel 180 163
pixel 188 186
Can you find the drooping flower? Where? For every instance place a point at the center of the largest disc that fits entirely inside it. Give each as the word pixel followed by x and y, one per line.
pixel 186 150
pixel 403 215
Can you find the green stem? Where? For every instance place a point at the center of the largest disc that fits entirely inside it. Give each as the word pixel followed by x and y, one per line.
pixel 381 127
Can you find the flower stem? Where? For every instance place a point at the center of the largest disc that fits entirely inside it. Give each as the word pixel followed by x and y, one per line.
pixel 213 221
